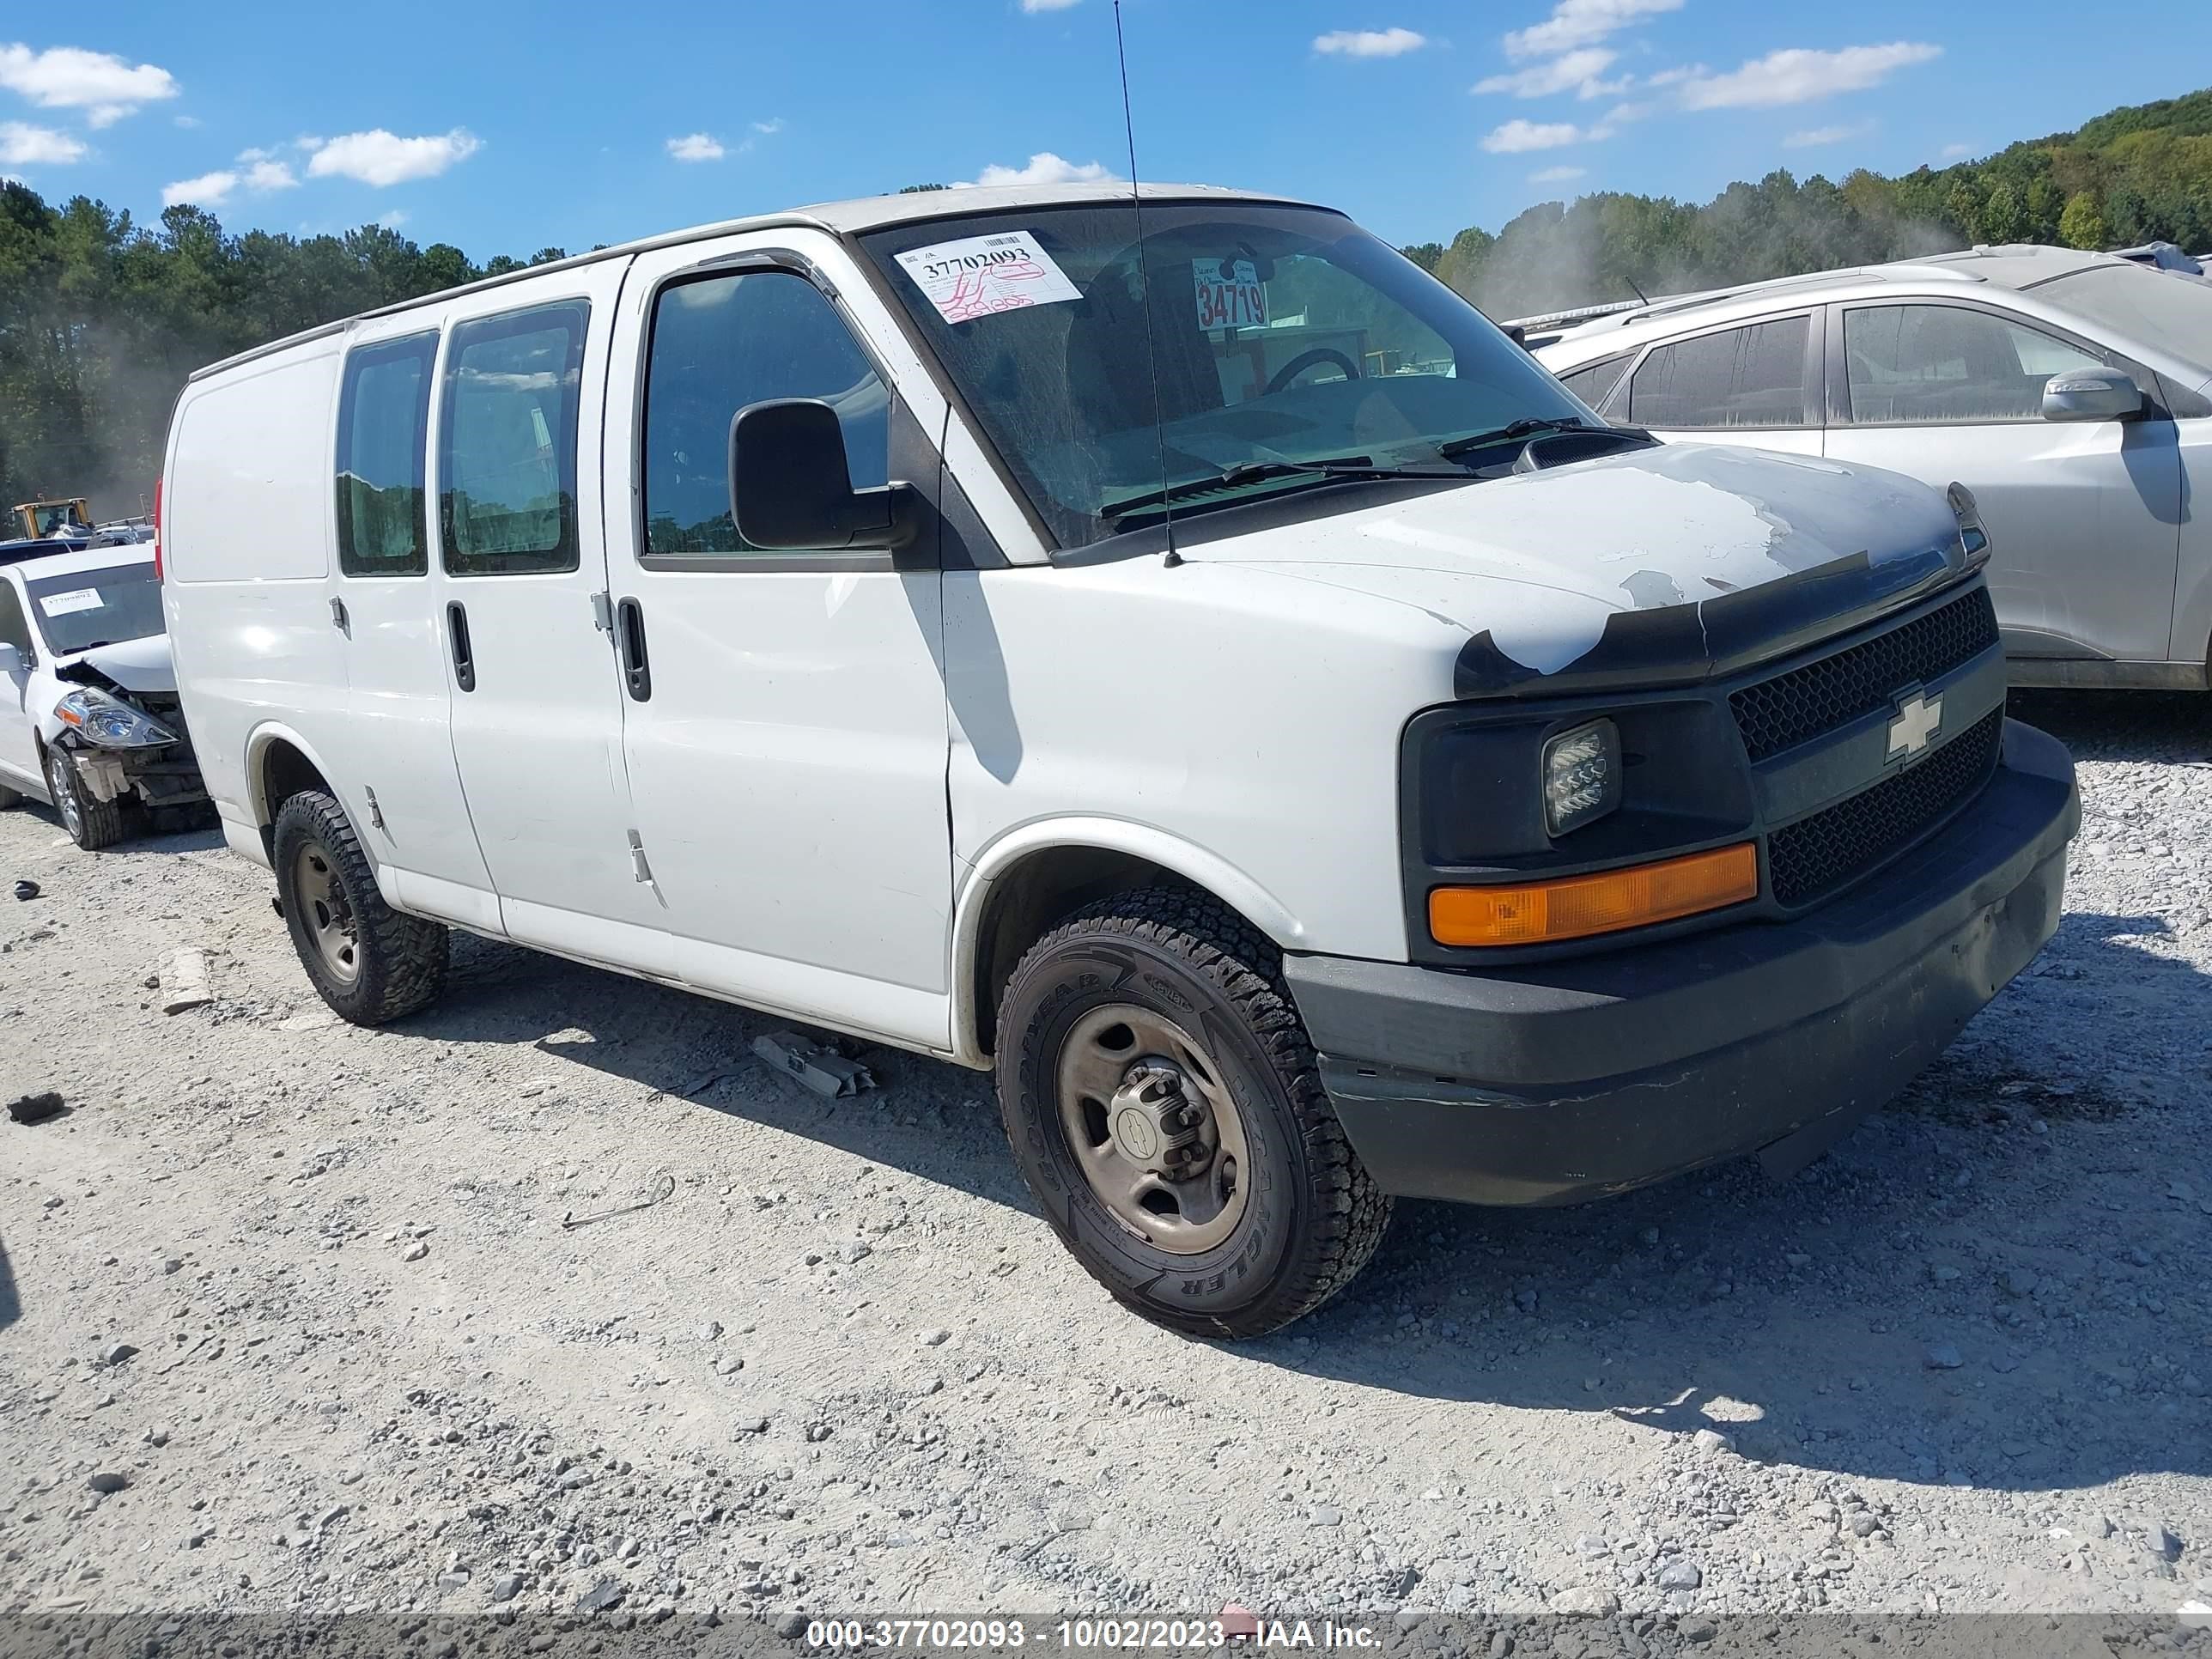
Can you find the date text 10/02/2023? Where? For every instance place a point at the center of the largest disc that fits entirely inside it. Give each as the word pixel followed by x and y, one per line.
pixel 1086 1635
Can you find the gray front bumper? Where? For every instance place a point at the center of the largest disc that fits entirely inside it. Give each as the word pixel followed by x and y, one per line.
pixel 1570 1079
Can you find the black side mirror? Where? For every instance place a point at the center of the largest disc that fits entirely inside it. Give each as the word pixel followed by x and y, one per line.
pixel 790 488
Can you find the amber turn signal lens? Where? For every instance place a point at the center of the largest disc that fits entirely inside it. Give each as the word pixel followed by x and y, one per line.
pixel 1578 906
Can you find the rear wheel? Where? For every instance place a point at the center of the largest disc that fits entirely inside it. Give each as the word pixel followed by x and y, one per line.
pixel 369 961
pixel 1160 1094
pixel 92 824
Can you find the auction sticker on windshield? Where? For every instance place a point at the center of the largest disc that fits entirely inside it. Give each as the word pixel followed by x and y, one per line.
pixel 77 599
pixel 981 276
pixel 1230 294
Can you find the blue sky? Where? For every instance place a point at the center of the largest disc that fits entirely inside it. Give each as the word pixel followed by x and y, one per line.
pixel 507 129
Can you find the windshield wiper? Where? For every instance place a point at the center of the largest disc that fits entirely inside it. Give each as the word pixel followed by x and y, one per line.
pixel 1245 472
pixel 1526 428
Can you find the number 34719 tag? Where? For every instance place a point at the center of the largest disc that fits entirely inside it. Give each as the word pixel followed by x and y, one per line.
pixel 1230 294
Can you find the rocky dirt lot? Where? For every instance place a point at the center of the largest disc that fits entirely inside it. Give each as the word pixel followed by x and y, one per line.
pixel 289 1320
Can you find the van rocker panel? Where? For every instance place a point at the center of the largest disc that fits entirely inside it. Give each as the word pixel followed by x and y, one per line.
pixel 1567 1081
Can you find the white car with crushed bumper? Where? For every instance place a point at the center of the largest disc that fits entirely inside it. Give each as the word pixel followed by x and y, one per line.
pixel 89 716
pixel 1191 664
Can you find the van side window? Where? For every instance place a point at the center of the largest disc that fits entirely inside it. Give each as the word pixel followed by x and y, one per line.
pixel 1753 376
pixel 507 444
pixel 719 344
pixel 1938 363
pixel 1594 384
pixel 384 425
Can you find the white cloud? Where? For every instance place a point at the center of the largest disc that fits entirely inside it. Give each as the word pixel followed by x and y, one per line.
pixel 1370 43
pixel 209 190
pixel 1813 136
pixel 1045 168
pixel 769 128
pixel 1574 69
pixel 1621 114
pixel 393 219
pixel 1672 76
pixel 1047 5
pixel 380 158
pixel 103 86
pixel 1957 152
pixel 696 146
pixel 1799 76
pixel 1576 23
pixel 265 172
pixel 185 121
pixel 1556 175
pixel 1516 137
pixel 22 145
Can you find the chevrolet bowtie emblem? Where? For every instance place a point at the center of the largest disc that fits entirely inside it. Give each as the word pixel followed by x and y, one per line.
pixel 1918 719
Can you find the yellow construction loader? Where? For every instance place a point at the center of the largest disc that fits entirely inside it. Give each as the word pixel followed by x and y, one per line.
pixel 37 520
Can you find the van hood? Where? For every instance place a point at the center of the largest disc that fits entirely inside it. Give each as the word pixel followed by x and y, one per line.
pixel 134 665
pixel 1653 566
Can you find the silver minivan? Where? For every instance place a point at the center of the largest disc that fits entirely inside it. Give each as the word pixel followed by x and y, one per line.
pixel 2072 392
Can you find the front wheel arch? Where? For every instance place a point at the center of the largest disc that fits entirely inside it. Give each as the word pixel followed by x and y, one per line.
pixel 1029 879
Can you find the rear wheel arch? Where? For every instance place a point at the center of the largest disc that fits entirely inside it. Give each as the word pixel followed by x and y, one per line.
pixel 280 765
pixel 1024 887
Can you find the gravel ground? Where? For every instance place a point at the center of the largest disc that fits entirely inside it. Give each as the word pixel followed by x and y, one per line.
pixel 289 1320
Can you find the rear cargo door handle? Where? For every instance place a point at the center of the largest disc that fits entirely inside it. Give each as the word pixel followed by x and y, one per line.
pixel 630 635
pixel 457 631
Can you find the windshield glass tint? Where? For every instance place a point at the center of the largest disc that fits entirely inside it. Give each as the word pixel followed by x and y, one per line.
pixel 1276 335
pixel 2155 308
pixel 86 608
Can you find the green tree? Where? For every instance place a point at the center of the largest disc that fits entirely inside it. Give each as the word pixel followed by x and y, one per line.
pixel 1963 205
pixel 2082 223
pixel 2003 216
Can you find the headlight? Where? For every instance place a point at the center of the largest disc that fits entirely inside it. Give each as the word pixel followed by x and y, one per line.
pixel 109 722
pixel 1581 776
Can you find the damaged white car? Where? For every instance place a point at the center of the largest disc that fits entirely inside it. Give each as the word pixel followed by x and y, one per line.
pixel 88 713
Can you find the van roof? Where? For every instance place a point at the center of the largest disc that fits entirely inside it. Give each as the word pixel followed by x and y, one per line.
pixel 848 218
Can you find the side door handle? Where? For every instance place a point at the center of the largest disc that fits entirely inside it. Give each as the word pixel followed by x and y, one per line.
pixel 339 620
pixel 457 632
pixel 630 635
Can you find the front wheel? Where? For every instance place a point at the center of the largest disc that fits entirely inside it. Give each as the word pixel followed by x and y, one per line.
pixel 370 963
pixel 92 824
pixel 1160 1094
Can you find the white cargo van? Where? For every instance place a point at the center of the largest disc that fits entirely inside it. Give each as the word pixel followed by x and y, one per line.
pixel 1186 659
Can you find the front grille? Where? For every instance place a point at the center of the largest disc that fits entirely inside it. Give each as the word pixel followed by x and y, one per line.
pixel 1815 856
pixel 1783 711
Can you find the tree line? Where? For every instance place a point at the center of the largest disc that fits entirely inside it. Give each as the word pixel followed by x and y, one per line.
pixel 101 317
pixel 2136 174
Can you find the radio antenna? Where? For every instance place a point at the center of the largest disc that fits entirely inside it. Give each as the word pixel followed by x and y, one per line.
pixel 1145 292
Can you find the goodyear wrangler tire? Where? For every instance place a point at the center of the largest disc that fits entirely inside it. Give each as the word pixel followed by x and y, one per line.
pixel 369 961
pixel 1159 1092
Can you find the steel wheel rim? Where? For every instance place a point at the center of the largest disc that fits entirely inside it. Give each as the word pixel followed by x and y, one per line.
pixel 326 913
pixel 1122 1069
pixel 66 800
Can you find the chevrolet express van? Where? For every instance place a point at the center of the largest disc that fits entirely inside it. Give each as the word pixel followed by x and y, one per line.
pixel 1175 655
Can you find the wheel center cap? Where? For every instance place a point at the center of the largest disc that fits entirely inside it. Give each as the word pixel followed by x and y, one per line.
pixel 1137 1134
pixel 1156 1121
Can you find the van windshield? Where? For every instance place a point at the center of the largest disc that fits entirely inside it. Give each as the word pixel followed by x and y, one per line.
pixel 82 609
pixel 1277 336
